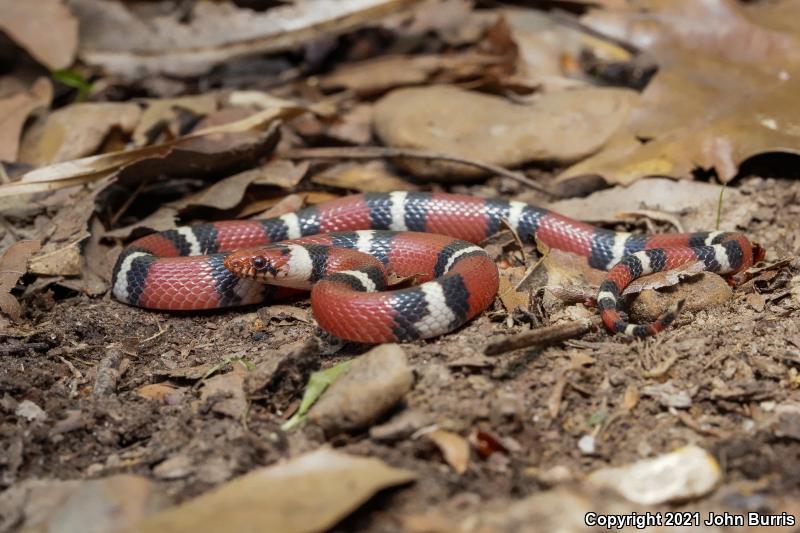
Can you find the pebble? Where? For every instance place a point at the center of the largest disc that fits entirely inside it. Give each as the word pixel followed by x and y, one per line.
pixel 114 503
pixel 374 383
pixel 400 427
pixel 689 472
pixel 586 445
pixel 558 127
pixel 30 411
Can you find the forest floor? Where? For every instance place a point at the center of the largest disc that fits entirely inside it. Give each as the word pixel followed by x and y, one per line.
pixel 121 418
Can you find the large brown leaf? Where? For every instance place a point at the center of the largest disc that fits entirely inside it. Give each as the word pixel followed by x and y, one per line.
pixel 724 92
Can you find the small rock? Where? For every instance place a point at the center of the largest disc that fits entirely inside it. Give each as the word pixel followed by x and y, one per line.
pixel 372 385
pixel 788 423
pixel 668 395
pixel 689 472
pixel 30 411
pixel 561 126
pixel 224 393
pixel 555 475
pixel 586 445
pixel 400 427
pixel 165 393
pixel 699 292
pixel 176 467
pixel 114 503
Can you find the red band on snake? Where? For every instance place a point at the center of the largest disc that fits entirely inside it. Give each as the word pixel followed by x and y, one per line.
pixel 430 236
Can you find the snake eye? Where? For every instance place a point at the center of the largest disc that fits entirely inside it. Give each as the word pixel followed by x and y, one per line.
pixel 259 262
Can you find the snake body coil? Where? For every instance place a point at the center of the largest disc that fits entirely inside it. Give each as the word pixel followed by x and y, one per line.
pixel 429 236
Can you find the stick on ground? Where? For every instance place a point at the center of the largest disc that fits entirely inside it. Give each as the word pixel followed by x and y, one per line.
pixel 543 335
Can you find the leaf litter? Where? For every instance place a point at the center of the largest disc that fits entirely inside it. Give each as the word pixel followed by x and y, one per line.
pixel 180 118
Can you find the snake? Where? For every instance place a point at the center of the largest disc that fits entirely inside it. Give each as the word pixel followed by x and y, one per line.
pixel 348 251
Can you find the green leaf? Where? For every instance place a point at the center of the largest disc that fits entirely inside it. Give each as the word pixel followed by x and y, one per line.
pixel 318 383
pixel 597 418
pixel 70 78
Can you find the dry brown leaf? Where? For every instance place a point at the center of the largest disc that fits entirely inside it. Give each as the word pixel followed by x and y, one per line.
pixel 164 114
pixel 75 131
pixel 724 91
pixel 115 38
pixel 695 202
pixel 14 112
pixel 380 74
pixel 13 264
pixel 223 195
pixel 353 126
pixel 45 28
pixel 280 205
pixel 569 270
pixel 303 495
pixel 374 176
pixel 547 46
pixel 668 278
pixel 454 448
pixel 630 398
pixel 227 193
pixel 510 297
pixel 562 126
pixel 216 147
pixel 60 259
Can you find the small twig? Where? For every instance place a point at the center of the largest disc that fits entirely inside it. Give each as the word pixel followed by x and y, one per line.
pixel 155 335
pixel 380 152
pixel 543 335
pixel 12 349
pixel 663 367
pixel 108 373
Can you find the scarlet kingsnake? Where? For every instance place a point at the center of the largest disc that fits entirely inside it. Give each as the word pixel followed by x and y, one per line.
pixel 408 234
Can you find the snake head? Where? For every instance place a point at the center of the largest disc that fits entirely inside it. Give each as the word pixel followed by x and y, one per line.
pixel 268 264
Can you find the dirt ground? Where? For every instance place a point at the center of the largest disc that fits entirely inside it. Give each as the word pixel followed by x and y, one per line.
pixel 737 362
pixel 133 117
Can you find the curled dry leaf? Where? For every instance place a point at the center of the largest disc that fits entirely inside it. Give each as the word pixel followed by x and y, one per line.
pixel 123 43
pixel 454 448
pixel 509 295
pixel 14 112
pixel 223 195
pixel 13 264
pixel 75 131
pixel 45 28
pixel 667 278
pixel 215 147
pixel 302 495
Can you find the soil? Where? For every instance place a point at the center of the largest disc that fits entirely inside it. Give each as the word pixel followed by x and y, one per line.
pixel 737 362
